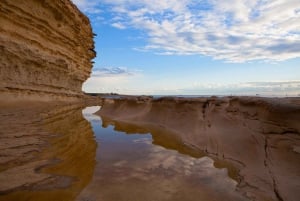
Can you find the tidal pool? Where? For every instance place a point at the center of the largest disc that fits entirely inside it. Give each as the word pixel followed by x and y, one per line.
pixel 131 164
pixel 64 153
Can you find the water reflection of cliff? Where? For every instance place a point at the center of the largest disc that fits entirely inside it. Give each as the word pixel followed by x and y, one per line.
pixel 160 135
pixel 259 136
pixel 140 166
pixel 165 138
pixel 56 159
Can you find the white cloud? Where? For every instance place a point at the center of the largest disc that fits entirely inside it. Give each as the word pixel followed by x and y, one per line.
pixel 118 25
pixel 125 83
pixel 111 79
pixel 279 88
pixel 114 72
pixel 232 30
pixel 91 7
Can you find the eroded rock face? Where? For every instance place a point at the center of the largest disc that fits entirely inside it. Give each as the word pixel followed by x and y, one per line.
pixel 46 49
pixel 259 136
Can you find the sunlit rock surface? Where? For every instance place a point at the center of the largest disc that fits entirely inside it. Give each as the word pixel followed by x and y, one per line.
pixel 259 136
pixel 46 49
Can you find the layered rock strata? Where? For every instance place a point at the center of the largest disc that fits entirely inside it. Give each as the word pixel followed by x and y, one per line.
pixel 259 136
pixel 46 49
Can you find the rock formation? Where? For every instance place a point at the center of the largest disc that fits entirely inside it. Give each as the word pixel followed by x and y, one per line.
pixel 259 136
pixel 46 49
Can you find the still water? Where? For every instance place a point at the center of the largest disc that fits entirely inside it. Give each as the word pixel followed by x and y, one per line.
pixel 131 165
pixel 64 153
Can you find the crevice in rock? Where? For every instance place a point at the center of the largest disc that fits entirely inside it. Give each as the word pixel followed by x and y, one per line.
pixel 275 188
pixel 204 106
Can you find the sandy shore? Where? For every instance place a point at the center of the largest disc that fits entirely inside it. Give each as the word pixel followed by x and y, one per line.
pixel 259 136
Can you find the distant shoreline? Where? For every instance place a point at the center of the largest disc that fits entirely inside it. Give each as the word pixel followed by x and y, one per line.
pixel 115 95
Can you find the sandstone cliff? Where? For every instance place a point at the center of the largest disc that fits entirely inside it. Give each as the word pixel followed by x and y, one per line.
pixel 259 136
pixel 46 47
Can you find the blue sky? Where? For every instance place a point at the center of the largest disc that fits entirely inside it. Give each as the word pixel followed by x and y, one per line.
pixel 195 47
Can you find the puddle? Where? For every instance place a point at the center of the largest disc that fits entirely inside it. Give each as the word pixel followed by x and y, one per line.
pixel 140 166
pixel 97 159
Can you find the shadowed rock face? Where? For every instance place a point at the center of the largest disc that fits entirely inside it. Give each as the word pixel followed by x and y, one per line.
pixel 46 49
pixel 259 136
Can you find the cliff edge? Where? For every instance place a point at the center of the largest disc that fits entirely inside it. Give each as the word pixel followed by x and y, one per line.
pixel 46 49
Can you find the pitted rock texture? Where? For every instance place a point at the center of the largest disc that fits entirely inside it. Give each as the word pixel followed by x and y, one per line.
pixel 46 48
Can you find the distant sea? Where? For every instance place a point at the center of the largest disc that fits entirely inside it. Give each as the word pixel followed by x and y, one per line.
pixel 116 96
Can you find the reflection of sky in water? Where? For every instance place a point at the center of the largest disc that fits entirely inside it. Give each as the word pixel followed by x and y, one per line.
pixel 130 167
pixel 88 114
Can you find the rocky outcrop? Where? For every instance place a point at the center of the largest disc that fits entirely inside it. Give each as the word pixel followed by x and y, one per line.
pixel 46 49
pixel 259 136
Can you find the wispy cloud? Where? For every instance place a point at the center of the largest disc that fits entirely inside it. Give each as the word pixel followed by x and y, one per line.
pixel 114 72
pixel 111 79
pixel 118 25
pixel 279 88
pixel 90 7
pixel 231 30
pixel 127 85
